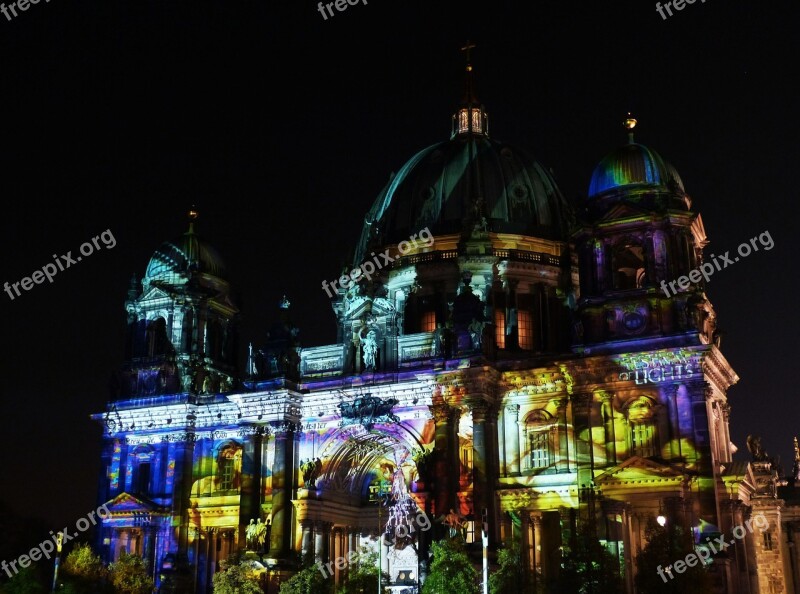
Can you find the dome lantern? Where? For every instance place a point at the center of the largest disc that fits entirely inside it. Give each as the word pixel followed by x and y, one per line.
pixel 471 118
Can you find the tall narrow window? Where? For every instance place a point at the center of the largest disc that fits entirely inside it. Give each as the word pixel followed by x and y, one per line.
pixel 500 328
pixel 642 440
pixel 226 466
pixel 768 541
pixel 540 449
pixel 642 435
pixel 525 329
pixel 627 262
pixel 143 478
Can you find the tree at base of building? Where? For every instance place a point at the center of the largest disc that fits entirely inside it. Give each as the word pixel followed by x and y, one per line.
pixel 362 576
pixel 665 547
pixel 509 576
pixel 308 580
pixel 451 571
pixel 237 578
pixel 130 575
pixel 83 572
pixel 586 565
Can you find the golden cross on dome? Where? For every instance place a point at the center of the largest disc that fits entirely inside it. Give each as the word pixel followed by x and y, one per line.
pixel 468 49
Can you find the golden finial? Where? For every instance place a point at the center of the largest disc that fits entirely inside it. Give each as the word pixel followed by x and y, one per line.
pixel 192 214
pixel 630 124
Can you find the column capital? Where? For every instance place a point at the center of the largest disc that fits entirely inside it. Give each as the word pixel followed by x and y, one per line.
pixel 513 411
pixel 604 395
pixel 441 412
pixel 480 410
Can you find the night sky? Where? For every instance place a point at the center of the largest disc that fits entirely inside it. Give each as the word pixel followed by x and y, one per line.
pixel 282 128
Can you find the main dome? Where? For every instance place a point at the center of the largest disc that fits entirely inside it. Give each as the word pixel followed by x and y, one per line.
pixel 444 186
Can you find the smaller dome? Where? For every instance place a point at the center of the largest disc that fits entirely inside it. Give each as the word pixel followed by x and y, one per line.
pixel 634 165
pixel 177 260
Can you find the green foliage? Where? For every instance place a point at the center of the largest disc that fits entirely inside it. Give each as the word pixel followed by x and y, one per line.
pixel 362 575
pixel 587 567
pixel 129 575
pixel 664 547
pixel 509 577
pixel 451 571
pixel 236 579
pixel 308 580
pixel 30 580
pixel 83 572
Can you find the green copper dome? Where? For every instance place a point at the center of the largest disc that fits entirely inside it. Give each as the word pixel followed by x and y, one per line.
pixel 175 261
pixel 630 166
pixel 445 186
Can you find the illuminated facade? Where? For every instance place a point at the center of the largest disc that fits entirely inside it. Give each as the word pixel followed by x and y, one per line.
pixel 527 363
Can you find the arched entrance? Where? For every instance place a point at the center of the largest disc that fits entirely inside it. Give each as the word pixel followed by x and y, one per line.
pixel 363 496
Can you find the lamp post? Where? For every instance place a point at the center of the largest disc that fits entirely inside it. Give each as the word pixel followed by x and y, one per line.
pixel 59 543
pixel 381 495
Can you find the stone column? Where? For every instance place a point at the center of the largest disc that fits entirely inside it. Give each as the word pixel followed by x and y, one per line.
pixel 307 527
pixel 670 393
pixel 352 537
pixel 282 485
pixel 609 430
pixel 479 410
pixel 184 457
pixel 538 569
pixel 337 550
pixel 319 542
pixel 512 438
pixel 443 418
pixel 563 440
pixel 250 491
pixel 725 409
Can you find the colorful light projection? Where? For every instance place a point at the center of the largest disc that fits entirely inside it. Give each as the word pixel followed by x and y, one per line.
pixel 660 366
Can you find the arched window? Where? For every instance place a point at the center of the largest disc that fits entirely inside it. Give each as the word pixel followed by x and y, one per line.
pixel 142 464
pixel 642 435
pixel 540 427
pixel 157 341
pixel 627 265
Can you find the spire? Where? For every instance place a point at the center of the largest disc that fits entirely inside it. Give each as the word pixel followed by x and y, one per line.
pixel 796 467
pixel 469 87
pixel 471 118
pixel 630 124
pixel 192 215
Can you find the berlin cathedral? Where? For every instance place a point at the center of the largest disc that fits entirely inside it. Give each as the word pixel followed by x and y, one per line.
pixel 519 375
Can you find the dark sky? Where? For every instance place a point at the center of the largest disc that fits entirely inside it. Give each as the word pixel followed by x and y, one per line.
pixel 283 127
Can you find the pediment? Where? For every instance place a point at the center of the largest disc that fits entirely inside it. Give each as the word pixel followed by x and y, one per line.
pixel 622 210
pixel 125 503
pixel 638 470
pixel 153 293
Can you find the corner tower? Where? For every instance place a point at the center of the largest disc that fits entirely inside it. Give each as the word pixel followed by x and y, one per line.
pixel 182 323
